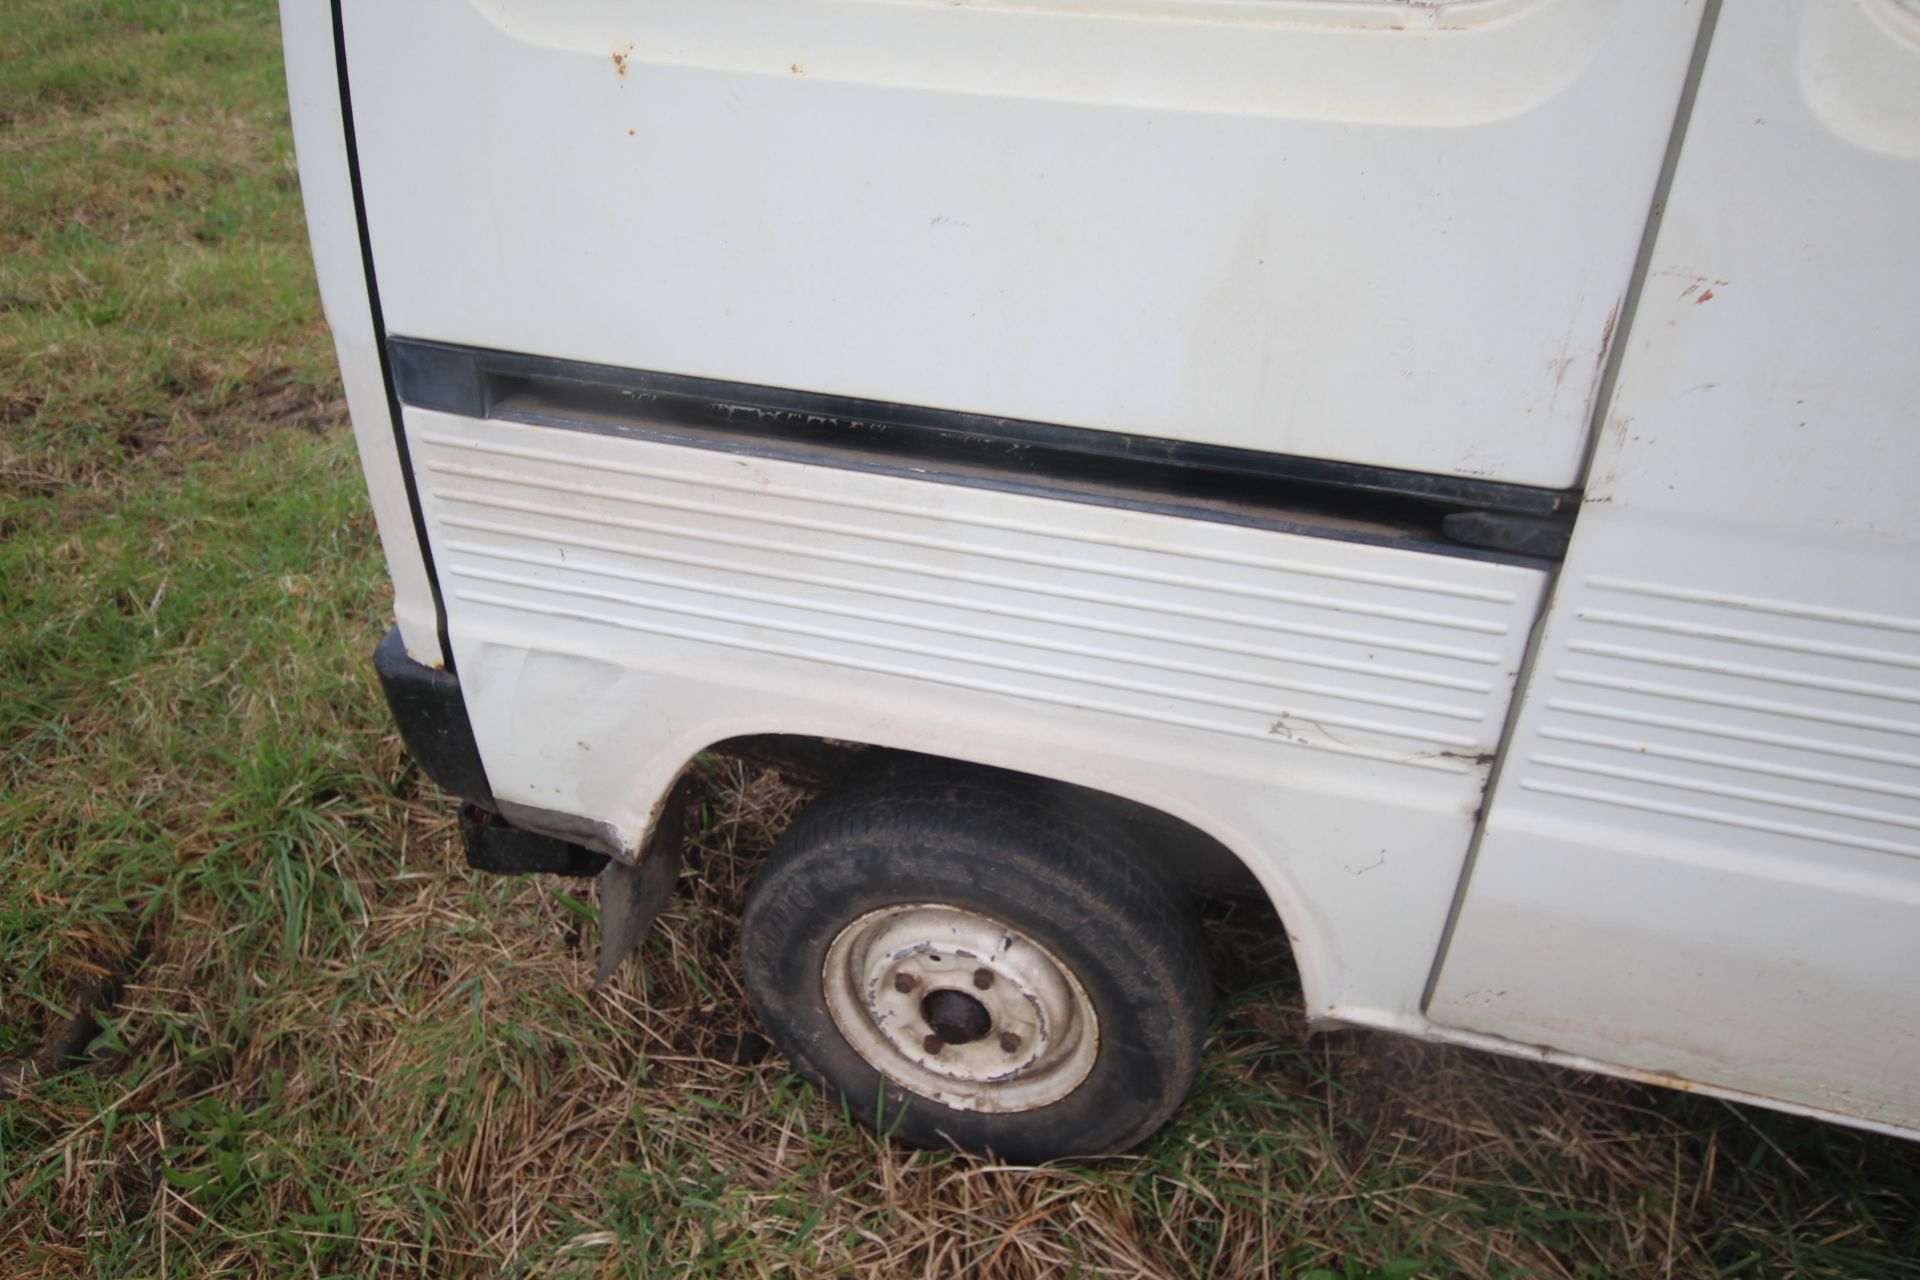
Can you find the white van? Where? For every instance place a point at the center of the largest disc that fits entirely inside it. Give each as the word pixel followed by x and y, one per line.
pixel 1454 462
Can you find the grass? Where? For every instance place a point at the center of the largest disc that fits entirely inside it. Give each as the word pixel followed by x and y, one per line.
pixel 329 1049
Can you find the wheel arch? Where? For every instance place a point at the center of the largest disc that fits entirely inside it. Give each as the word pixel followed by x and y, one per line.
pixel 1224 857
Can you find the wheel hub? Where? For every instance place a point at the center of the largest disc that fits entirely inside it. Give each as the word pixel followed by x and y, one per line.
pixel 955 1016
pixel 959 1008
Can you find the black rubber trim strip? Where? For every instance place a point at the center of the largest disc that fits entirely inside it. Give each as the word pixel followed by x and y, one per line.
pixel 1241 486
pixel 380 336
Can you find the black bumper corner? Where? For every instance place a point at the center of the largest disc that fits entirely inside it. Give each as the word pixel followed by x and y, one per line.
pixel 432 717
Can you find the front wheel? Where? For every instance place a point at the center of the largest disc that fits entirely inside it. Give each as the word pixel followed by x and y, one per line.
pixel 979 961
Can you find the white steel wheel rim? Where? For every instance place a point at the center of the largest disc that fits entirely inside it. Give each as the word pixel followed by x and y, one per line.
pixel 1041 1035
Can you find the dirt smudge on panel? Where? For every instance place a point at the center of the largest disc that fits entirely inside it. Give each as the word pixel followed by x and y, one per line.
pixel 1598 377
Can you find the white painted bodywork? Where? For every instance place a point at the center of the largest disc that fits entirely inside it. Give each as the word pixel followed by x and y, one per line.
pixel 1703 855
pixel 618 605
pixel 326 185
pixel 1395 234
pixel 1299 231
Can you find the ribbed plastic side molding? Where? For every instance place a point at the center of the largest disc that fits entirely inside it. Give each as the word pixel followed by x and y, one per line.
pixel 1284 640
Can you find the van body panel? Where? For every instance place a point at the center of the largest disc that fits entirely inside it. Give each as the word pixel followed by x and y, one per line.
pixel 1703 854
pixel 799 195
pixel 1325 708
pixel 333 230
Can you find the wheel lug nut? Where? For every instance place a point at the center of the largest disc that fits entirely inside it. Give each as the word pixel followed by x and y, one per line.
pixel 905 982
pixel 982 979
pixel 933 1044
pixel 1009 1042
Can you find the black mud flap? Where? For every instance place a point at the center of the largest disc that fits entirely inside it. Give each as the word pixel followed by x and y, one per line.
pixel 633 894
pixel 432 716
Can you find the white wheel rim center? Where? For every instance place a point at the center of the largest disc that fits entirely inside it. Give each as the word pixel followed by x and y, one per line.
pixel 1041 1036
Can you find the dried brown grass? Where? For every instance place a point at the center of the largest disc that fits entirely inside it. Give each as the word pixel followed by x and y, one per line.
pixel 648 1130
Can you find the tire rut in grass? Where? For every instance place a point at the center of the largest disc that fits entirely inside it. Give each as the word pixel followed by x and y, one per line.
pixel 64 1045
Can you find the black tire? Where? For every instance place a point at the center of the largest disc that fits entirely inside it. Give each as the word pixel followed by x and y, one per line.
pixel 1037 859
